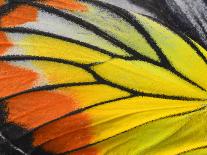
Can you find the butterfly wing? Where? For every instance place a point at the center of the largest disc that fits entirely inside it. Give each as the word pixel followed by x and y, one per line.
pixel 86 77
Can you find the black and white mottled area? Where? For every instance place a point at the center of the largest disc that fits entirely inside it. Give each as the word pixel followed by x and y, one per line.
pixel 188 16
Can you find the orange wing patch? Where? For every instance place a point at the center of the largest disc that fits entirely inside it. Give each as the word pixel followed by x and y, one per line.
pixel 34 109
pixel 15 79
pixel 71 5
pixel 19 15
pixel 37 108
pixel 4 43
pixel 69 133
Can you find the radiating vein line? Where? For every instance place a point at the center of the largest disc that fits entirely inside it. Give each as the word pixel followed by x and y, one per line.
pixel 96 124
pixel 42 58
pixel 51 87
pixel 92 27
pixel 95 143
pixel 75 112
pixel 67 39
pixel 99 79
pixel 31 31
pixel 81 22
pixel 47 87
pixel 80 110
pixel 87 68
pixel 183 36
pixel 140 29
pixel 128 17
pixel 180 75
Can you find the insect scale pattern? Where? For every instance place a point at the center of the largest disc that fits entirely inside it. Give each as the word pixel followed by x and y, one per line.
pixel 90 78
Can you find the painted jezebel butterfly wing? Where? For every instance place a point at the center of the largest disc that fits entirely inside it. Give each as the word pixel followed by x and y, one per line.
pixel 89 78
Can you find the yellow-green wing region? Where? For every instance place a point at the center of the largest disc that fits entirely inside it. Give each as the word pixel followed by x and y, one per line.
pixel 181 55
pixel 89 78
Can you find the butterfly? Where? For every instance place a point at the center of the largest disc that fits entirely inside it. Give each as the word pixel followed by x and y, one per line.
pixel 89 78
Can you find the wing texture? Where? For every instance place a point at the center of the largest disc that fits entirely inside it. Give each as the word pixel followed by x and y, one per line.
pixel 89 78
